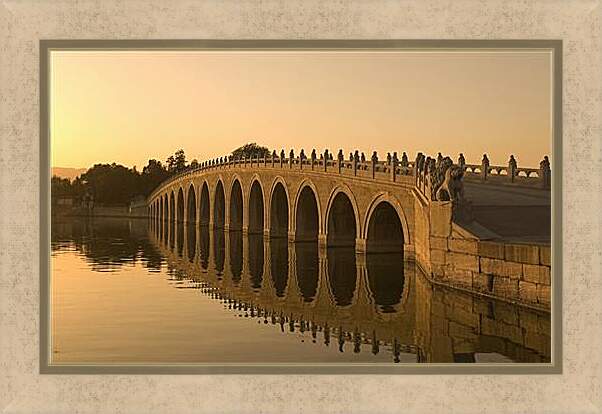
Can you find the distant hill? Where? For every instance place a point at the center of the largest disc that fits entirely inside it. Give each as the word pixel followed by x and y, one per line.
pixel 69 173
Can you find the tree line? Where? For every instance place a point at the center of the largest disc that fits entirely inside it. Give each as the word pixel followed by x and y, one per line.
pixel 114 184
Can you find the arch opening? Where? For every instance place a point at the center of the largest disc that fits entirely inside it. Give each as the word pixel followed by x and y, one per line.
pixel 385 231
pixel 256 209
pixel 191 205
pixel 180 210
pixel 204 213
pixel 279 212
pixel 219 206
pixel 236 206
pixel 341 228
pixel 172 219
pixel 306 222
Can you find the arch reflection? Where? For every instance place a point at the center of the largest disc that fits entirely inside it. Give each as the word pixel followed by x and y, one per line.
pixel 386 280
pixel 307 269
pixel 342 274
pixel 256 260
pixel 236 255
pixel 279 265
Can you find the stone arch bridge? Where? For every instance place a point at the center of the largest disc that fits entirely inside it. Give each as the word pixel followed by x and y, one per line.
pixel 415 207
pixel 371 206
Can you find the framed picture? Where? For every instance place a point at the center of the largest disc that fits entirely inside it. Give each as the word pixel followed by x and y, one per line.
pixel 367 202
pixel 340 253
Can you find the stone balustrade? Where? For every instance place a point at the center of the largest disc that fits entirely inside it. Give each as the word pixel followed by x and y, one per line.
pixel 390 168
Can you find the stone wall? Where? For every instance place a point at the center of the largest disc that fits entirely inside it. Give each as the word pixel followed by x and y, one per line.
pixel 517 272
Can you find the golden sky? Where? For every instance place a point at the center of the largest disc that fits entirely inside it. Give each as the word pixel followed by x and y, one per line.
pixel 127 107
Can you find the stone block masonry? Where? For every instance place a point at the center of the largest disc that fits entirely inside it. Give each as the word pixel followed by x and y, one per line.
pixel 514 272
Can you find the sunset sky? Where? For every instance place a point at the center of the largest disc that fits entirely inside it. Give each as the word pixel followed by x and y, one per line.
pixel 127 107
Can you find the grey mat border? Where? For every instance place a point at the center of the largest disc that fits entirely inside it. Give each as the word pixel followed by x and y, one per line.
pixel 46 367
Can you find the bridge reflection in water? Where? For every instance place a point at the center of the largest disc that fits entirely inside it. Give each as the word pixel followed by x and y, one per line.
pixel 378 300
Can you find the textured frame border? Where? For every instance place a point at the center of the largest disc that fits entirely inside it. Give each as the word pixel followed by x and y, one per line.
pixel 554 46
pixel 577 22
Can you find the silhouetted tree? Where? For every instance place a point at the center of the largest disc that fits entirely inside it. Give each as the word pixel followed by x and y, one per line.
pixel 250 150
pixel 176 163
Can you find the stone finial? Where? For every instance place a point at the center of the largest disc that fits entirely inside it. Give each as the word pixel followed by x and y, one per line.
pixel 461 160
pixel 291 154
pixel 484 167
pixel 351 156
pixel 512 161
pixel 439 158
pixel 313 154
pixel 340 155
pixel 273 154
pixel 321 156
pixel 545 173
pixel 512 166
pixel 388 158
pixel 281 154
pixel 374 157
pixel 326 154
pixel 331 156
pixel 302 154
pixel 404 160
pixel 356 156
pixel 362 157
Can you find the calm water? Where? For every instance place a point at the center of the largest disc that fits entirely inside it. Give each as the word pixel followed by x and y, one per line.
pixel 124 292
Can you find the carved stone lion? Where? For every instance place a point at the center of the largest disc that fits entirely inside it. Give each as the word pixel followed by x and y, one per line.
pixel 452 187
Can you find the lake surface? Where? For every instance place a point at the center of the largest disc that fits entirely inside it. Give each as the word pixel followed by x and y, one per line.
pixel 125 291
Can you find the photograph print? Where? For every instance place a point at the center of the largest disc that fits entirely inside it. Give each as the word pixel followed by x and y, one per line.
pixel 300 206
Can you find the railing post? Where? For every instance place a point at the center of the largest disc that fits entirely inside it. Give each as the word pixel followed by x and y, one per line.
pixel 545 173
pixel 374 161
pixel 273 157
pixel 313 158
pixel 484 167
pixel 301 158
pixel 461 161
pixel 356 159
pixel 291 155
pixel 281 158
pixel 394 162
pixel 404 163
pixel 512 166
pixel 340 160
pixel 326 160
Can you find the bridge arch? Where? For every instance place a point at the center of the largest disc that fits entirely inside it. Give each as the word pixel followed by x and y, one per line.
pixel 342 222
pixel 204 210
pixel 236 204
pixel 180 205
pixel 219 204
pixel 191 204
pixel 278 203
pixel 307 214
pixel 385 225
pixel 256 206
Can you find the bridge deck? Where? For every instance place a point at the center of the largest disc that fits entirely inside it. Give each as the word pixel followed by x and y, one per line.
pixel 509 213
